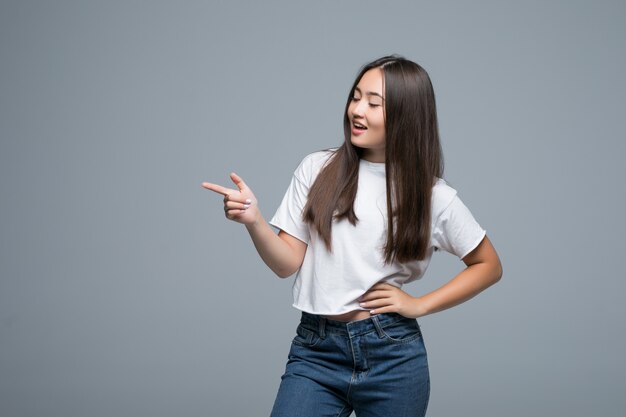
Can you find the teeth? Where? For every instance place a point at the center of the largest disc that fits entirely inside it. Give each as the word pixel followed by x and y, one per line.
pixel 359 126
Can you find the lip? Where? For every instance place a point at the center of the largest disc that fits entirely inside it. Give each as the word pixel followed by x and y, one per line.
pixel 358 132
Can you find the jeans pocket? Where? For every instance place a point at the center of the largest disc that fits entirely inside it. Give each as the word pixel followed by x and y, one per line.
pixel 402 331
pixel 305 337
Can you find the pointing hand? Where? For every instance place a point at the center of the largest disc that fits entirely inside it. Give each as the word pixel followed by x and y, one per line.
pixel 239 205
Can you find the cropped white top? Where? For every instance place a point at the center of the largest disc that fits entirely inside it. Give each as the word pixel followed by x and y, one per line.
pixel 330 283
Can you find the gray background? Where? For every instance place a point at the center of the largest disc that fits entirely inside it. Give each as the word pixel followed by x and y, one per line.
pixel 125 291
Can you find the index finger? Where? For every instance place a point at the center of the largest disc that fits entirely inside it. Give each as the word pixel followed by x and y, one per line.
pixel 217 188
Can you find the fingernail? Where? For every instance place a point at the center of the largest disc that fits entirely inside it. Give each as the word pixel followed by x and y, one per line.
pixel 246 206
pixel 248 200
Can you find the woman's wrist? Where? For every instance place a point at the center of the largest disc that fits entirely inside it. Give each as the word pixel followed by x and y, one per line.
pixel 420 307
pixel 257 221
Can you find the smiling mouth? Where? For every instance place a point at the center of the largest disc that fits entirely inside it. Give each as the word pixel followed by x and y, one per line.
pixel 358 126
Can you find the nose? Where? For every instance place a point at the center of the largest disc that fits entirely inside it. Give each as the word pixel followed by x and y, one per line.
pixel 358 108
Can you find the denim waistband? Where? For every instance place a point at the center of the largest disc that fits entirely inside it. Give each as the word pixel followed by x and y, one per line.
pixel 322 324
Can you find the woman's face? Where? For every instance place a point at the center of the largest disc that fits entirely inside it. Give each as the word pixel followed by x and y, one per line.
pixel 366 113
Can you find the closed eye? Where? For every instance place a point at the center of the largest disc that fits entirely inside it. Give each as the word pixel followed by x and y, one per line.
pixel 370 104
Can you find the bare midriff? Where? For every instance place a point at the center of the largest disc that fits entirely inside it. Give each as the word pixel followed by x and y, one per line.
pixel 350 315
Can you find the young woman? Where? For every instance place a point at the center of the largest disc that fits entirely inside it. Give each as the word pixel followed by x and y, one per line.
pixel 356 223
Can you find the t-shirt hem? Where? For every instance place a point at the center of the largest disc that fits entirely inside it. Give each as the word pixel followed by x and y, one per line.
pixel 328 313
pixel 472 247
pixel 288 230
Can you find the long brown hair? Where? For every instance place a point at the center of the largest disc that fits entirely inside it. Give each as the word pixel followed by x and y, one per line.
pixel 413 160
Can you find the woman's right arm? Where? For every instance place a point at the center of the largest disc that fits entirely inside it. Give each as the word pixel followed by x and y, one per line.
pixel 282 253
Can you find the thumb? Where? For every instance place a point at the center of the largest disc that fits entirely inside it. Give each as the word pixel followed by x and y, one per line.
pixel 238 181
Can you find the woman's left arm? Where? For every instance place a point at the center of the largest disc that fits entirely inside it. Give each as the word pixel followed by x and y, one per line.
pixel 483 270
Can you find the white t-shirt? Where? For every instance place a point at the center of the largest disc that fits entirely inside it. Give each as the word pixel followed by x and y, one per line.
pixel 330 283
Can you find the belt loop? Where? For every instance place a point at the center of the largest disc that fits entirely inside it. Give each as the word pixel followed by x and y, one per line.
pixel 322 327
pixel 379 329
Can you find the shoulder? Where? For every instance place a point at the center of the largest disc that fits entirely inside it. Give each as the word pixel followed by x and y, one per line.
pixel 312 164
pixel 318 157
pixel 442 196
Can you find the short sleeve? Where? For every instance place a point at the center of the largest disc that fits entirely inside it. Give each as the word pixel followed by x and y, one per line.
pixel 288 216
pixel 456 230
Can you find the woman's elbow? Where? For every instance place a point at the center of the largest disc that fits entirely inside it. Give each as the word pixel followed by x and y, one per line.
pixel 497 274
pixel 286 272
pixel 282 274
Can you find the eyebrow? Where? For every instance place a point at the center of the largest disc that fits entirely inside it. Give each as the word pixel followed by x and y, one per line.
pixel 370 93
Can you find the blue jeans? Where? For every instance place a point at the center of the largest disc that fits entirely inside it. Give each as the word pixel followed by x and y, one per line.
pixel 376 366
